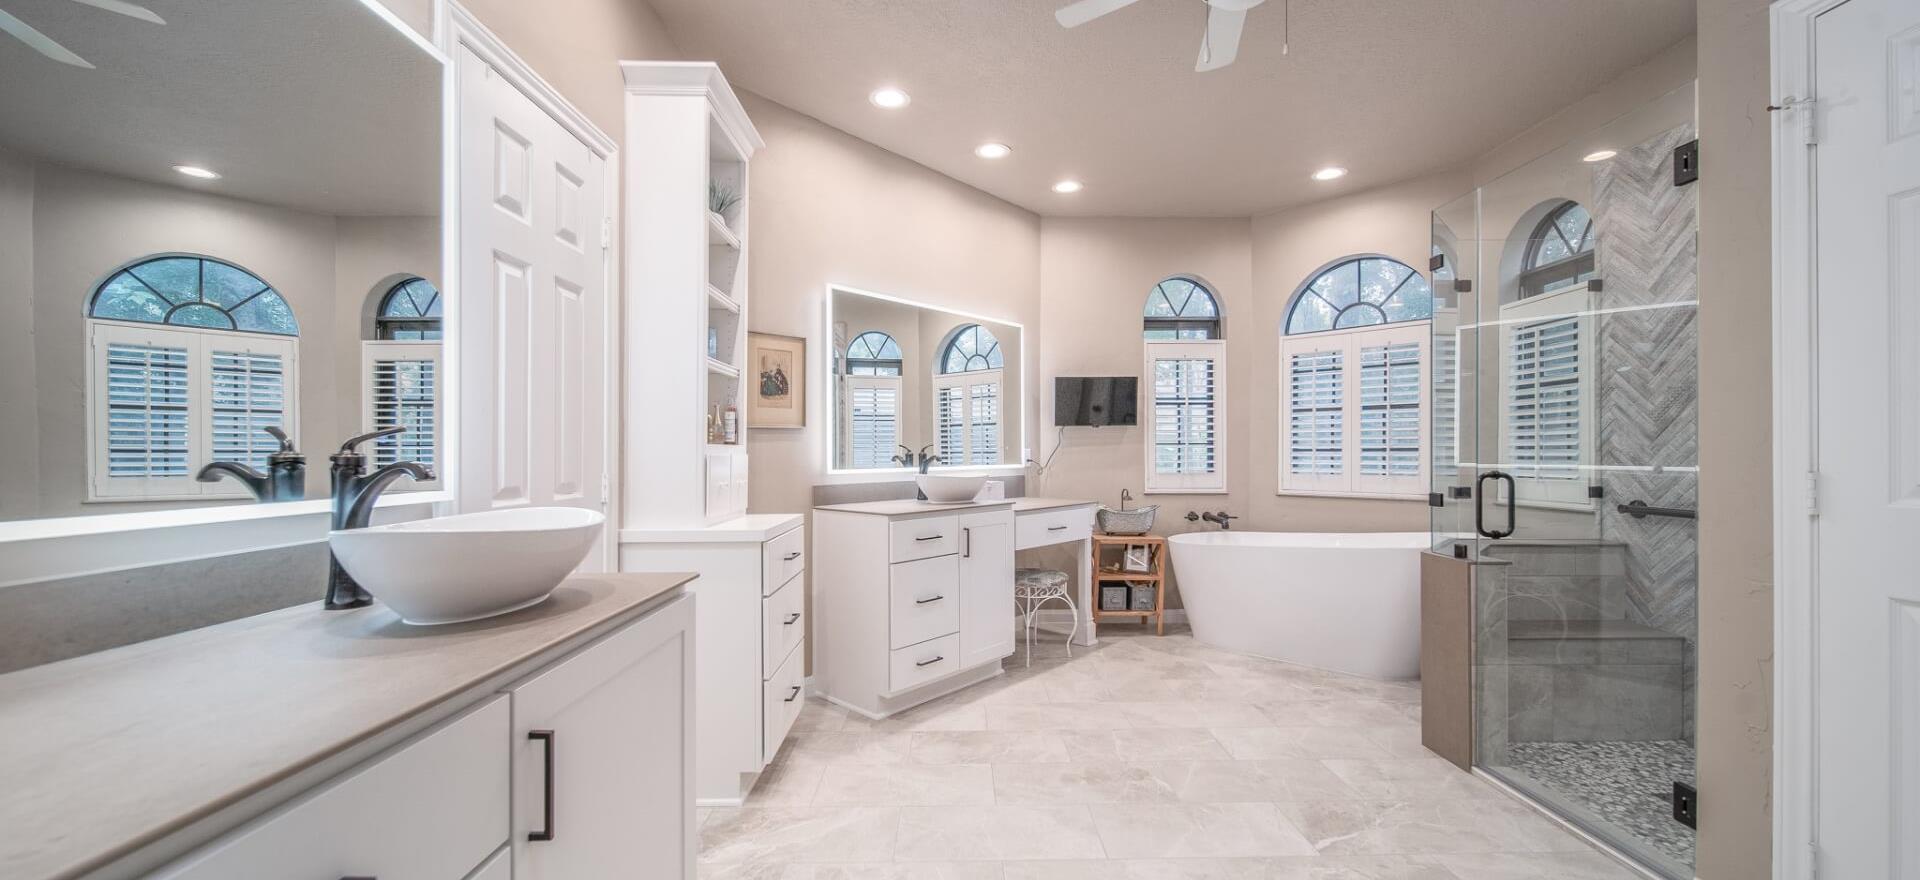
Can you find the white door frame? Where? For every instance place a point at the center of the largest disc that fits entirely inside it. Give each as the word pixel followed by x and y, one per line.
pixel 454 26
pixel 1795 406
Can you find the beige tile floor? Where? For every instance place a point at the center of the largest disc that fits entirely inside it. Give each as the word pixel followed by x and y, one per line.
pixel 1144 758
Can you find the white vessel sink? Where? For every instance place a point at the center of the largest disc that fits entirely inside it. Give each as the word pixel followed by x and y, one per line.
pixel 949 490
pixel 465 567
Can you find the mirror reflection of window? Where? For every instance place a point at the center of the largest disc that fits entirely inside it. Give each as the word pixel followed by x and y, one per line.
pixel 872 387
pixel 401 375
pixel 193 359
pixel 967 395
pixel 1547 342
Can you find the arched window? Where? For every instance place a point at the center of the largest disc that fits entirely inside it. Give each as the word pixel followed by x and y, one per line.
pixel 1181 308
pixel 966 397
pixel 1559 251
pixel 1354 363
pixel 193 358
pixel 969 349
pixel 1360 292
pixel 190 291
pixel 873 353
pixel 410 312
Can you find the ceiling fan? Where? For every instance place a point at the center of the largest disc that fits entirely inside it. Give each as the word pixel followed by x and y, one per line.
pixel 1219 43
pixel 51 48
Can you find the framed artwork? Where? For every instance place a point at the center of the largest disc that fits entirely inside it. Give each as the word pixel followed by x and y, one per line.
pixel 777 377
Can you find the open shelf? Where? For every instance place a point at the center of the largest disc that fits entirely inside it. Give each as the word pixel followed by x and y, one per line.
pixel 720 300
pixel 723 368
pixel 718 235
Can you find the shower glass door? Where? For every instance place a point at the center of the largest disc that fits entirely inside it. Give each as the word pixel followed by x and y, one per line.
pixel 1570 327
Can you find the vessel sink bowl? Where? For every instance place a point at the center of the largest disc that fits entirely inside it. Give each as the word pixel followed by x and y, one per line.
pixel 457 568
pixel 949 490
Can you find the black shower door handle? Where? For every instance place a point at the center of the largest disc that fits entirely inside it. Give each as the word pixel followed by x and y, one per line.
pixel 1480 504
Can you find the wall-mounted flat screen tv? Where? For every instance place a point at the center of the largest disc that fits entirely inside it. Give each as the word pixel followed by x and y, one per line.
pixel 1096 400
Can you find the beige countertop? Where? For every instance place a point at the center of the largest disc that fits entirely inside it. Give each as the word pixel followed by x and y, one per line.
pixel 909 506
pixel 105 754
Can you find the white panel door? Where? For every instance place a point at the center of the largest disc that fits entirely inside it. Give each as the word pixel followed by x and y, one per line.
pixel 532 305
pixel 986 587
pixel 1867 297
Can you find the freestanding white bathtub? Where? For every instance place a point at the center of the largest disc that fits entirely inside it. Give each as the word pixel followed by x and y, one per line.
pixel 1345 602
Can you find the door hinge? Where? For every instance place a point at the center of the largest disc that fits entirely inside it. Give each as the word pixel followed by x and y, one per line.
pixel 606 489
pixel 606 232
pixel 1810 134
pixel 1813 493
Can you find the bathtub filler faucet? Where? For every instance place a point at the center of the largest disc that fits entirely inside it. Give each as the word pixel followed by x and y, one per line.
pixel 354 494
pixel 1223 519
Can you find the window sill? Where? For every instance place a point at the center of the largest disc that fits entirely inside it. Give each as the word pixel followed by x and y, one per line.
pixel 1186 492
pixel 1356 496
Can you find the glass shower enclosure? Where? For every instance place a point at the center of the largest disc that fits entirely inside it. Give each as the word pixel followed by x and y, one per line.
pixel 1563 465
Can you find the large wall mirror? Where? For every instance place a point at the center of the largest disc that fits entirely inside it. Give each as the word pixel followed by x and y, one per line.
pixel 908 377
pixel 217 217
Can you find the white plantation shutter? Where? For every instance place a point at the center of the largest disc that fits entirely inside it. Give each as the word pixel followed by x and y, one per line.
pixel 873 420
pixel 248 394
pixel 966 417
pixel 1446 397
pixel 165 401
pixel 1185 452
pixel 1546 411
pixel 1353 415
pixel 402 388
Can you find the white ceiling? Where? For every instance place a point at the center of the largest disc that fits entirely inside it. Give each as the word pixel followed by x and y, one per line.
pixel 1388 88
pixel 318 105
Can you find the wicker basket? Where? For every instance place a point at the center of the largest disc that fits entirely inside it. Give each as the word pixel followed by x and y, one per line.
pixel 1125 522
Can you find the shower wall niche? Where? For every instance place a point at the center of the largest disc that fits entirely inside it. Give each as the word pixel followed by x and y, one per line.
pixel 1565 412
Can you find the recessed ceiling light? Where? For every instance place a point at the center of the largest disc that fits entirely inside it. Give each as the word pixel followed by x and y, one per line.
pixel 1599 156
pixel 1331 172
pixel 1068 187
pixel 889 98
pixel 992 151
pixel 197 171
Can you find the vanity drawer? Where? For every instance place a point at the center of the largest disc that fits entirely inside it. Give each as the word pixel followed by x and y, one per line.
pixel 784 557
pixel 435 807
pixel 1052 527
pixel 923 537
pixel 922 663
pixel 923 600
pixel 784 696
pixel 783 625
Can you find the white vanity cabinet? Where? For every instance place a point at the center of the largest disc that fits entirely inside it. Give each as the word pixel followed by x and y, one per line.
pixel 751 631
pixel 914 600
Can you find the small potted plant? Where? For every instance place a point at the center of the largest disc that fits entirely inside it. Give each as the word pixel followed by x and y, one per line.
pixel 721 201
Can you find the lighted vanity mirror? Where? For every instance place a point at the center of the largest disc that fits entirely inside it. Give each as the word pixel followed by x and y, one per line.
pixel 908 377
pixel 216 217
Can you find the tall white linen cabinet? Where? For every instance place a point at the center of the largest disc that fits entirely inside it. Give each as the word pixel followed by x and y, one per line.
pixel 684 494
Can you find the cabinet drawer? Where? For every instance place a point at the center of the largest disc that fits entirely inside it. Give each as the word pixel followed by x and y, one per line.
pixel 923 600
pixel 782 626
pixel 922 663
pixel 1052 527
pixel 435 807
pixel 924 537
pixel 783 699
pixel 785 556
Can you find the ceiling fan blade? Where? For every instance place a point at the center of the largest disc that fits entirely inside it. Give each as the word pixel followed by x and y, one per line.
pixel 1077 14
pixel 1222 41
pixel 130 10
pixel 40 42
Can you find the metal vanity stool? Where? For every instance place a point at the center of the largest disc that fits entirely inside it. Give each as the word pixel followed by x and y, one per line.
pixel 1034 587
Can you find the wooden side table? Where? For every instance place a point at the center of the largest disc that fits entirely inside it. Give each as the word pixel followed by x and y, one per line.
pixel 1108 569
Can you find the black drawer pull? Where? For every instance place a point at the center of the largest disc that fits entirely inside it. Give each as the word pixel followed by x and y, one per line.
pixel 1056 528
pixel 930 662
pixel 546 832
pixel 790 556
pixel 791 619
pixel 925 601
pixel 930 538
pixel 793 696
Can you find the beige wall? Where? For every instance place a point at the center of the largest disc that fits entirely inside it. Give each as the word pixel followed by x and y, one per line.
pixel 20 437
pixel 574 45
pixel 1736 449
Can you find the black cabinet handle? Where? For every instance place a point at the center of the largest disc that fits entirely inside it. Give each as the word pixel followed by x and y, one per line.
pixel 930 662
pixel 1056 528
pixel 793 696
pixel 925 601
pixel 930 538
pixel 1480 501
pixel 545 737
pixel 966 543
pixel 791 619
pixel 791 556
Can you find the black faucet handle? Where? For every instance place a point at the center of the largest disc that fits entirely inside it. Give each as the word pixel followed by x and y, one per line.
pixel 350 447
